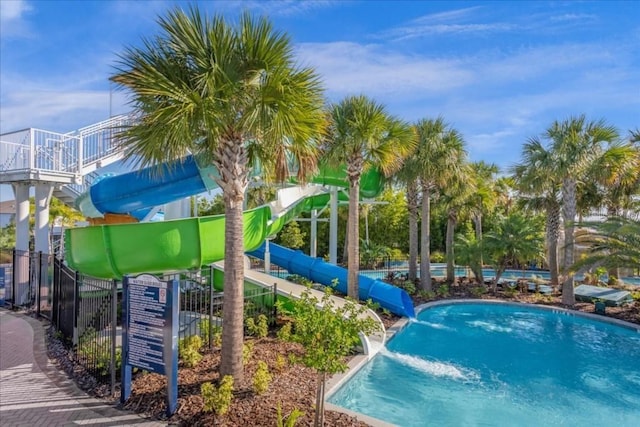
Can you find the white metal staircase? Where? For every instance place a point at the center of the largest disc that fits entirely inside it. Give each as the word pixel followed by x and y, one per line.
pixel 68 160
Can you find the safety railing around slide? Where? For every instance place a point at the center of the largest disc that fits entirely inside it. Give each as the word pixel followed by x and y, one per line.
pixel 75 152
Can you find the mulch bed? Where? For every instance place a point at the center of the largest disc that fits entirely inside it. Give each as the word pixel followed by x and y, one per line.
pixel 293 386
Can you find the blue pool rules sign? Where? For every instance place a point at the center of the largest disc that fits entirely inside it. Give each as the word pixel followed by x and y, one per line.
pixel 150 332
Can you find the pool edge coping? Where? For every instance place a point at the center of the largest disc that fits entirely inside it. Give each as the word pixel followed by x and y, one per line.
pixel 357 362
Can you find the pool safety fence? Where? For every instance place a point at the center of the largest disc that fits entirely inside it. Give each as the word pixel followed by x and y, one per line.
pixel 86 312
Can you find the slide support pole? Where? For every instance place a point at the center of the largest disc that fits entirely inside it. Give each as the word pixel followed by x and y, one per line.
pixel 333 226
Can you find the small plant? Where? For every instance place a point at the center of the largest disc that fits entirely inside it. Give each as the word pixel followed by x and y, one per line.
pixel 478 291
pixel 247 351
pixel 262 378
pixel 284 333
pixel 426 294
pixel 215 330
pixel 443 291
pixel 289 421
pixel 281 362
pixel 409 286
pixel 218 399
pixel 260 328
pixel 635 295
pixel 510 291
pixel 189 350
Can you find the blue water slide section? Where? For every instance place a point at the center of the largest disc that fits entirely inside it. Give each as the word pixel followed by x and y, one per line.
pixel 392 298
pixel 136 192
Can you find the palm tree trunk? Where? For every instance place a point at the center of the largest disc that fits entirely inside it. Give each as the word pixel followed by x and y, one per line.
pixel 569 215
pixel 477 219
pixel 232 163
pixel 451 226
pixel 553 231
pixel 425 238
pixel 354 239
pixel 412 207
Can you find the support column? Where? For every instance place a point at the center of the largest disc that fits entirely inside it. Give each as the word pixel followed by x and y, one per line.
pixel 313 244
pixel 21 191
pixel 333 226
pixel 43 199
pixel 20 285
pixel 178 209
pixel 267 257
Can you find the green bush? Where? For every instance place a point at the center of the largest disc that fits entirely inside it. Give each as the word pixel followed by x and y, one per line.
pixel 218 399
pixel 478 291
pixel 426 294
pixel 284 333
pixel 97 352
pixel 281 362
pixel 189 350
pixel 437 256
pixel 291 420
pixel 260 328
pixel 409 286
pixel 247 351
pixel 216 333
pixel 262 378
pixel 443 291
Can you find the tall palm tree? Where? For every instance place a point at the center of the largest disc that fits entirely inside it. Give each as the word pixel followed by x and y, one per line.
pixel 457 198
pixel 362 135
pixel 233 94
pixel 439 154
pixel 408 175
pixel 575 144
pixel 539 188
pixel 484 199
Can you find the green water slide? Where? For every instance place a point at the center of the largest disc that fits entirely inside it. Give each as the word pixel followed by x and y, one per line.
pixel 111 251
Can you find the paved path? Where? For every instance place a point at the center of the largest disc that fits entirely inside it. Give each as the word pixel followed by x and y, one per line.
pixel 34 393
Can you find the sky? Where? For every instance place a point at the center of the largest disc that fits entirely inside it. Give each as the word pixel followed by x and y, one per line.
pixel 498 72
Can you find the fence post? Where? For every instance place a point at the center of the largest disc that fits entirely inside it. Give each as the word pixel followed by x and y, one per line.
pixel 210 330
pixel 114 326
pixel 76 306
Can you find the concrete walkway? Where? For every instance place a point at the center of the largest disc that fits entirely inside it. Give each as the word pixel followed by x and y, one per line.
pixel 34 393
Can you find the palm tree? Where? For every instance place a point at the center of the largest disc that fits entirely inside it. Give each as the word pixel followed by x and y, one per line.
pixel 575 143
pixel 539 187
pixel 483 199
pixel 515 239
pixel 408 175
pixel 613 243
pixel 233 95
pixel 363 135
pixel 439 154
pixel 457 198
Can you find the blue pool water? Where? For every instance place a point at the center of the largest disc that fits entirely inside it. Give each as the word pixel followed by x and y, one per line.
pixel 501 365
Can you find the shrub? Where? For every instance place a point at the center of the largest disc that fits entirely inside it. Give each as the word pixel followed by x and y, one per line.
pixel 216 333
pixel 247 350
pixel 437 256
pixel 285 332
pixel 478 291
pixel 97 352
pixel 281 362
pixel 218 399
pixel 262 378
pixel 426 294
pixel 260 328
pixel 443 291
pixel 188 350
pixel 291 420
pixel 409 286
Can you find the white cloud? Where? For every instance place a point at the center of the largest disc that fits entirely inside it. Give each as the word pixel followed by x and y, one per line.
pixel 12 20
pixel 354 68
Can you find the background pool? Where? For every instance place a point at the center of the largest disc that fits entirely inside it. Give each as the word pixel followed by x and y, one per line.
pixel 501 365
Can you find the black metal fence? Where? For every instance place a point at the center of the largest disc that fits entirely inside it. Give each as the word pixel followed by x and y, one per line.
pixel 28 282
pixel 86 311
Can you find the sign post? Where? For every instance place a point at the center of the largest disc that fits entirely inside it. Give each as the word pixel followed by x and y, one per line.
pixel 150 332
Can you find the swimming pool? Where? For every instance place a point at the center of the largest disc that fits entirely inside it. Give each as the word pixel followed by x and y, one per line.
pixel 477 364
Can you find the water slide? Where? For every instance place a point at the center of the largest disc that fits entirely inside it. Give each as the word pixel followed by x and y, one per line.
pixel 113 250
pixel 390 297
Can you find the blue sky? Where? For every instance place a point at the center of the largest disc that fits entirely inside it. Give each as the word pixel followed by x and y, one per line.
pixel 499 72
